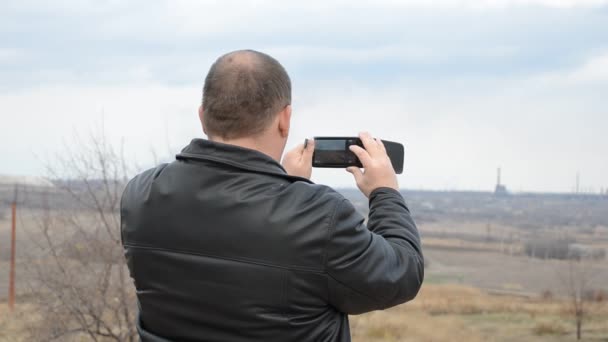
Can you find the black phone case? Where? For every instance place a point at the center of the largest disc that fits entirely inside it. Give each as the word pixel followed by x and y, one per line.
pixel 395 152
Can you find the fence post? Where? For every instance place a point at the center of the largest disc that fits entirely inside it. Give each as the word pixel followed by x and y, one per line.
pixel 11 284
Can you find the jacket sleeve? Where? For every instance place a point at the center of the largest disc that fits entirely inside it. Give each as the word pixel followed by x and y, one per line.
pixel 378 266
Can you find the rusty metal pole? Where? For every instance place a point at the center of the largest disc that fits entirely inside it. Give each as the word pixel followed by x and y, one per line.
pixel 11 284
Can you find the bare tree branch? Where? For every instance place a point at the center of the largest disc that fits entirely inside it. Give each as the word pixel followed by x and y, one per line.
pixel 77 265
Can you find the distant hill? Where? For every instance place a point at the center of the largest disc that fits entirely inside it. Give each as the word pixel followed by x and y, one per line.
pixel 27 181
pixel 525 210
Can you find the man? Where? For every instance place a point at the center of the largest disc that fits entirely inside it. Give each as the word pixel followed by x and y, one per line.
pixel 226 244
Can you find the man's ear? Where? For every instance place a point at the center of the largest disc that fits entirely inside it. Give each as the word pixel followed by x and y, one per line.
pixel 285 121
pixel 201 115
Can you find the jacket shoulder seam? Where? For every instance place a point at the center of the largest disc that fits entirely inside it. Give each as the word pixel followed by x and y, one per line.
pixel 156 170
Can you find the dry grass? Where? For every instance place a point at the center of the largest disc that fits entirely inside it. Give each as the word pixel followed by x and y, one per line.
pixel 399 325
pixel 459 313
pixel 13 324
pixel 439 313
pixel 549 328
pixel 463 300
pixel 459 244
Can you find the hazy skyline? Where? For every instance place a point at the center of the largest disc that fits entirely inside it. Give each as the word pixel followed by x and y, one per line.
pixel 467 86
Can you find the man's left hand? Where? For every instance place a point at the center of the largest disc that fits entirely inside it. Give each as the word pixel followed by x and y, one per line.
pixel 298 162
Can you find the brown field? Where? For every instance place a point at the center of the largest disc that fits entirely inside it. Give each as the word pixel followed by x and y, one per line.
pixel 502 272
pixel 460 313
pixel 458 253
pixel 479 286
pixel 439 313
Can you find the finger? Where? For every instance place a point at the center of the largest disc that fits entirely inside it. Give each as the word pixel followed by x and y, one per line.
pixel 362 154
pixel 309 149
pixel 381 144
pixel 310 144
pixel 295 153
pixel 299 149
pixel 356 172
pixel 369 143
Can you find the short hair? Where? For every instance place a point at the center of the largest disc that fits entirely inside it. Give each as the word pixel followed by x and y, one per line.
pixel 244 91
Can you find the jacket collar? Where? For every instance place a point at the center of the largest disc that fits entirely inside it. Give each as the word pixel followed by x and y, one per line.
pixel 237 156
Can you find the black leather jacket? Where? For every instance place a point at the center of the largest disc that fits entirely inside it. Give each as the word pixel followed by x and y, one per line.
pixel 223 245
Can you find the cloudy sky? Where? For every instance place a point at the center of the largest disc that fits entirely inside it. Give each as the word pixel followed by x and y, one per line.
pixel 467 86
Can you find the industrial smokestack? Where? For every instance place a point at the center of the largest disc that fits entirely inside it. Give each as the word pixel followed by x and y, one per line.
pixel 498 177
pixel 500 189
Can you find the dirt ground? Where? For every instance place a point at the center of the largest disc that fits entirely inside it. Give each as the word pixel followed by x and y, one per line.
pixel 497 271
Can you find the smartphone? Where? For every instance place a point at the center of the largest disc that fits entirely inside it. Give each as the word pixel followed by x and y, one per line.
pixel 334 152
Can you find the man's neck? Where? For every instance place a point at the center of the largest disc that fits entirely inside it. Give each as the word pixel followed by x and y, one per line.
pixel 260 145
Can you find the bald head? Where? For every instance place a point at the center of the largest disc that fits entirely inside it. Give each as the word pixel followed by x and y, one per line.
pixel 243 92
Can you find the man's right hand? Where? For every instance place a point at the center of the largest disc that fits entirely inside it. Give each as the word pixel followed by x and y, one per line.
pixel 378 170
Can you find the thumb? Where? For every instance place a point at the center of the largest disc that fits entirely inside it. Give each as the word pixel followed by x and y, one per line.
pixel 356 173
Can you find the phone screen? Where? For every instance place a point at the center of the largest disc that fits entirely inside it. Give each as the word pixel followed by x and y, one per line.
pixel 335 152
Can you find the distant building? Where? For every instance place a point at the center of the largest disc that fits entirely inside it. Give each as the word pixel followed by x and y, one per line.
pixel 500 190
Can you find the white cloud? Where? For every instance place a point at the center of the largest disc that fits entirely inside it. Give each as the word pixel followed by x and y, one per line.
pixel 326 54
pixel 10 55
pixel 408 54
pixel 328 5
pixel 166 19
pixel 593 71
pixel 465 92
pixel 455 137
pixel 37 122
pixel 202 7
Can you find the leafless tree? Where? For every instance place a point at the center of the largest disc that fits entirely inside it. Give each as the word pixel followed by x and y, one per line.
pixel 577 280
pixel 77 275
